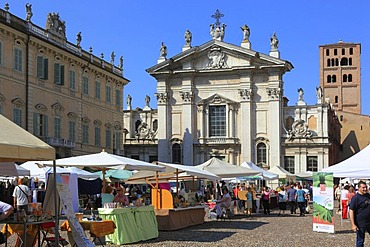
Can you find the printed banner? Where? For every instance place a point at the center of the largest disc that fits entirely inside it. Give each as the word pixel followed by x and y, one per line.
pixel 66 199
pixel 323 202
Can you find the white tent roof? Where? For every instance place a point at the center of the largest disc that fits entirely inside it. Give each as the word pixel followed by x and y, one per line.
pixel 356 166
pixel 104 159
pixel 17 144
pixel 224 169
pixel 265 174
pixel 10 169
pixel 36 169
pixel 185 173
pixel 281 172
pixel 306 174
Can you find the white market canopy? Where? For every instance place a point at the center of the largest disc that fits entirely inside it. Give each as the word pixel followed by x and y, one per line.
pixel 306 174
pixel 264 174
pixel 356 166
pixel 281 172
pixel 17 144
pixel 105 160
pixel 37 169
pixel 224 169
pixel 10 169
pixel 184 173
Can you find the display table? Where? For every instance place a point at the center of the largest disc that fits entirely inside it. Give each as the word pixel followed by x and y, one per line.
pixel 98 229
pixel 178 218
pixel 133 224
pixel 28 232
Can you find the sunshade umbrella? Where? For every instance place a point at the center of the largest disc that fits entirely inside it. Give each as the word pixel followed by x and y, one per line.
pixel 264 174
pixel 10 169
pixel 117 174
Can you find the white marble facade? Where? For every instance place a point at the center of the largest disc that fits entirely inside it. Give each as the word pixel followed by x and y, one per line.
pixel 225 100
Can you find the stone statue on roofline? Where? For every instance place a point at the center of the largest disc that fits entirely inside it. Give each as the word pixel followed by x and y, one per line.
pixel 246 32
pixel 29 13
pixel 188 37
pixel 112 56
pixel 274 42
pixel 78 40
pixel 163 50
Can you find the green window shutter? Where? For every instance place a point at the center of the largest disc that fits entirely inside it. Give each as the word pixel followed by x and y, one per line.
pixel 46 67
pixel 56 74
pixel 40 72
pixel 1 53
pixel 62 75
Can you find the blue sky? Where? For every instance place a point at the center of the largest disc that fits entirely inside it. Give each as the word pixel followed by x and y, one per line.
pixel 135 29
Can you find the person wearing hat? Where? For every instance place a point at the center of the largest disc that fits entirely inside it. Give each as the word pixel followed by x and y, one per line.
pixel 121 196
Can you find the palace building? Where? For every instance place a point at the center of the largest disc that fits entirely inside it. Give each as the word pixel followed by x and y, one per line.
pixel 59 92
pixel 224 100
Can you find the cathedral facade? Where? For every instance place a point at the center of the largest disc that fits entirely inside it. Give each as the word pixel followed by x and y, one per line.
pixel 227 101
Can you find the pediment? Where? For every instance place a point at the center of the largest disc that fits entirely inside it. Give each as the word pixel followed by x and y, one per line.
pixel 217 56
pixel 216 99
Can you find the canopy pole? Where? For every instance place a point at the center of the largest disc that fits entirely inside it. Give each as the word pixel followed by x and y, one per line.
pixel 156 194
pixel 193 184
pixel 104 183
pixel 177 183
pixel 56 204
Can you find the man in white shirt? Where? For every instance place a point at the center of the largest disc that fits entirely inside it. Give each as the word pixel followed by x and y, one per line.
pixel 22 196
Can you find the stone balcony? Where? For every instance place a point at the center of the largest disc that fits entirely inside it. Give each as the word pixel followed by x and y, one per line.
pixel 60 142
pixel 219 140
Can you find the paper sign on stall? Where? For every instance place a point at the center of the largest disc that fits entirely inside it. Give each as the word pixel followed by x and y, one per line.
pixel 66 199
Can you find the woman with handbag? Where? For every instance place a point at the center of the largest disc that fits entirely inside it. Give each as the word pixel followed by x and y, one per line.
pixel 22 196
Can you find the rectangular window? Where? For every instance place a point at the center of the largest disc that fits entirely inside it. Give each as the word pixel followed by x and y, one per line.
pixel 289 164
pixel 57 127
pixel 97 137
pixel 108 138
pixel 335 52
pixel 118 98
pixel 108 94
pixel 40 124
pixel 85 85
pixel 217 120
pixel 85 133
pixel 97 89
pixel 17 116
pixel 312 163
pixel 18 59
pixel 343 51
pixel 118 143
pixel 327 52
pixel 58 74
pixel 350 51
pixel 72 131
pixel 72 80
pixel 42 68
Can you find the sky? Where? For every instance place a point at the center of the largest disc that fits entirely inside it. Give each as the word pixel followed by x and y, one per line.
pixel 135 30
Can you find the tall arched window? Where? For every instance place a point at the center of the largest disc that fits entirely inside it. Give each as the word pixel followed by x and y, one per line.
pixel 350 61
pixel 176 153
pixel 350 78
pixel 334 78
pixel 328 79
pixel 332 62
pixel 344 78
pixel 261 154
pixel 336 99
pixel 155 125
pixel 343 51
pixel 350 51
pixel 328 63
pixel 344 61
pixel 336 62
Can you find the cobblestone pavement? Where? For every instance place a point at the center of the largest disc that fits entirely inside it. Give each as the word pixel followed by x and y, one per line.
pixel 260 230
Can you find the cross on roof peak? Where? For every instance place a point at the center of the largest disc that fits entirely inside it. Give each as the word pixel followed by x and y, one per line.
pixel 217 16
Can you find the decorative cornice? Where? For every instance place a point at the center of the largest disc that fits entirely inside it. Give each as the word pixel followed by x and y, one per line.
pixel 162 98
pixel 97 123
pixel 72 116
pixel 216 58
pixel 85 120
pixel 299 130
pixel 246 94
pixel 117 125
pixel 58 108
pixel 17 102
pixel 108 125
pixel 41 108
pixel 2 98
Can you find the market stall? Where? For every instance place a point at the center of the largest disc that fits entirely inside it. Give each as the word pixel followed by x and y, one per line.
pixel 172 213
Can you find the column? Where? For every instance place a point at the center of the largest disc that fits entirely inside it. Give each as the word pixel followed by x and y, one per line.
pixel 164 117
pixel 188 123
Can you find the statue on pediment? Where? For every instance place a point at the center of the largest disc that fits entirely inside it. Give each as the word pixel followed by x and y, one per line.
pixel 78 39
pixel 55 25
pixel 246 32
pixel 188 37
pixel 163 50
pixel 112 56
pixel 300 94
pixel 217 32
pixel 274 42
